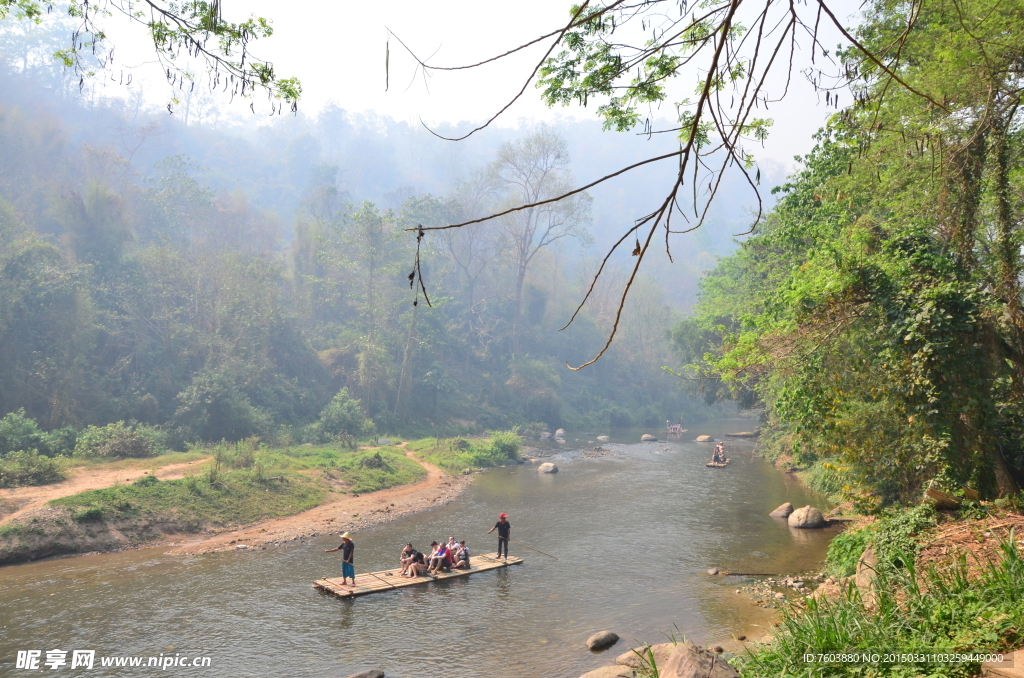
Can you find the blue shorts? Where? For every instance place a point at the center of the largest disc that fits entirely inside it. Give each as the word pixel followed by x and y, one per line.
pixel 347 570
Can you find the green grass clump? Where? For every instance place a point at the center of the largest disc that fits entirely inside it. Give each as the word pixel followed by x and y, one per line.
pixel 939 611
pixel 370 470
pixel 18 469
pixel 455 455
pixel 233 497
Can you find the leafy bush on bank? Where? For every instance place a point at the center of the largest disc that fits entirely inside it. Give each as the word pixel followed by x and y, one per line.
pixel 19 433
pixel 456 455
pixel 22 468
pixel 938 611
pixel 119 441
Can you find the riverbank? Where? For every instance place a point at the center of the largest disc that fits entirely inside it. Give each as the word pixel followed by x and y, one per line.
pixel 201 505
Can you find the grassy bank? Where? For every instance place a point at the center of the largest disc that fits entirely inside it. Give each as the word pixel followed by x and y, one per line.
pixel 459 455
pixel 239 483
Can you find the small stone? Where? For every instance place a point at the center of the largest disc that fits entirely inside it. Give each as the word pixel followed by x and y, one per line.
pixel 780 596
pixel 718 649
pixel 602 640
pixel 372 673
pixel 798 584
pixel 741 638
pixel 714 570
pixel 547 467
pixel 242 546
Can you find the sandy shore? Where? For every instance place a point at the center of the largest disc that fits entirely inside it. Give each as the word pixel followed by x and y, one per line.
pixel 343 513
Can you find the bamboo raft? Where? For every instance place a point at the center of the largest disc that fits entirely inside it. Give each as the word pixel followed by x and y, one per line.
pixel 389 580
pixel 718 464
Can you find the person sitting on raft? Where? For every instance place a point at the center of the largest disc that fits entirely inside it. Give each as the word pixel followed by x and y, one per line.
pixel 406 557
pixel 462 556
pixel 417 565
pixel 441 559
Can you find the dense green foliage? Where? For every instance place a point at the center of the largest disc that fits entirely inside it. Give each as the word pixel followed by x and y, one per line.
pixel 30 468
pixel 457 455
pixel 922 613
pixel 877 315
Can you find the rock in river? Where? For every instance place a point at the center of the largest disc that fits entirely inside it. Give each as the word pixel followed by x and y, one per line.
pixel 547 467
pixel 704 439
pixel 372 673
pixel 603 439
pixel 806 518
pixel 560 433
pixel 602 640
pixel 690 661
pixel 783 511
pixel 662 651
pixel 610 672
pixel 648 438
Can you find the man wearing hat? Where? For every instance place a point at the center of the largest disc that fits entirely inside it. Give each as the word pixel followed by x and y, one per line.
pixel 504 529
pixel 348 549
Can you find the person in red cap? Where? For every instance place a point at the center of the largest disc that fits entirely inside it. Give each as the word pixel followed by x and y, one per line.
pixel 504 529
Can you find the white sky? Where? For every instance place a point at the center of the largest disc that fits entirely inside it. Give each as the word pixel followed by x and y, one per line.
pixel 337 50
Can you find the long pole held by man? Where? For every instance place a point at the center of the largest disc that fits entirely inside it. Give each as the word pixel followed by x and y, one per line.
pixel 504 529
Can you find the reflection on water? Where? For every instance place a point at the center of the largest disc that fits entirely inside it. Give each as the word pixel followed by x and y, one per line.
pixel 634 534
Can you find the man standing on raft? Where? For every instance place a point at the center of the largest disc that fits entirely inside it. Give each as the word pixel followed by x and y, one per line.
pixel 504 529
pixel 347 549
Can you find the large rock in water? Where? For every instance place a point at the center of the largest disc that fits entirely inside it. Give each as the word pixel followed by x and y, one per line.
pixel 662 652
pixel 547 467
pixel 602 640
pixel 783 511
pixel 603 439
pixel 807 517
pixel 690 661
pixel 560 433
pixel 372 673
pixel 609 672
pixel 703 439
pixel 648 438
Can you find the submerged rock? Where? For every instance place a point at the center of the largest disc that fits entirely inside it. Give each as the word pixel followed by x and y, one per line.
pixel 602 640
pixel 714 570
pixel 783 511
pixel 547 467
pixel 372 673
pixel 703 439
pixel 648 438
pixel 807 517
pixel 690 661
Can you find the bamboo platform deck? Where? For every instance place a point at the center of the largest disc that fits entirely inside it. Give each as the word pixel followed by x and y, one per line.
pixel 718 464
pixel 389 580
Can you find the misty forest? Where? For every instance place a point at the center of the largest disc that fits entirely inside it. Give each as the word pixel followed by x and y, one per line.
pixel 203 282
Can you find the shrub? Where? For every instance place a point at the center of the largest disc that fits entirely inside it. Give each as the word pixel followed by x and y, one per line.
pixel 214 407
pixel 18 432
pixel 342 418
pixel 30 468
pixel 116 440
pixel 506 443
pixel 844 552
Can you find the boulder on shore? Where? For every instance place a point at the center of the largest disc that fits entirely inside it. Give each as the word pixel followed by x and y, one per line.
pixel 547 467
pixel 690 661
pixel 783 511
pixel 648 438
pixel 609 672
pixel 602 640
pixel 703 439
pixel 560 433
pixel 661 651
pixel 805 518
pixel 372 673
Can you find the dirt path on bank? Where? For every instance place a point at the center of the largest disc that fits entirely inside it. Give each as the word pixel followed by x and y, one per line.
pixel 20 500
pixel 343 513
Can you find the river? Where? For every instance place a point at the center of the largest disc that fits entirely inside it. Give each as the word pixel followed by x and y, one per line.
pixel 634 533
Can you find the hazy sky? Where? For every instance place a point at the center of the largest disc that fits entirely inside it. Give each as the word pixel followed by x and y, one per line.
pixel 337 49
